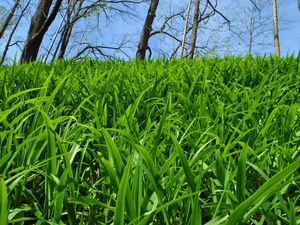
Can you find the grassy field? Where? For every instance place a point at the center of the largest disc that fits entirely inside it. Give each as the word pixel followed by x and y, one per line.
pixel 211 141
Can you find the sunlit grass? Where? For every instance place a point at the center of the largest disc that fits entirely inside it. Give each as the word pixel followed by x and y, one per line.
pixel 210 141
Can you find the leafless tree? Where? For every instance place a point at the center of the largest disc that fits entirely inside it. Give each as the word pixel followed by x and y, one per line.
pixel 8 43
pixel 66 34
pixel 9 18
pixel 80 10
pixel 194 30
pixel 66 31
pixel 145 34
pixel 276 32
pixel 40 23
pixel 209 10
pixel 186 24
pixel 253 26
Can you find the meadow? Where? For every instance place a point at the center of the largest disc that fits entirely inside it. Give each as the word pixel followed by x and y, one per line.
pixel 207 141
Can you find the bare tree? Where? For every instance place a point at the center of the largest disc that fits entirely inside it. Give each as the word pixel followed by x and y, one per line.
pixel 65 34
pixel 253 26
pixel 145 35
pixel 68 28
pixel 276 32
pixel 79 10
pixel 172 23
pixel 8 43
pixel 40 23
pixel 185 30
pixel 8 18
pixel 194 30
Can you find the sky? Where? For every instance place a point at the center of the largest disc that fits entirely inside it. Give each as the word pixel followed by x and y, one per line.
pixel 228 43
pixel 214 36
pixel 290 22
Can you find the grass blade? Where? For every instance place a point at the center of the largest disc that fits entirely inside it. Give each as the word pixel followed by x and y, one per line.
pixel 120 206
pixel 3 202
pixel 241 176
pixel 187 170
pixel 263 192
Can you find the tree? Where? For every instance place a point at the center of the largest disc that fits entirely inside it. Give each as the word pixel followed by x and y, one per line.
pixel 276 32
pixel 209 10
pixel 68 28
pixel 253 26
pixel 97 12
pixel 147 28
pixel 8 43
pixel 39 25
pixel 8 18
pixel 194 30
pixel 185 30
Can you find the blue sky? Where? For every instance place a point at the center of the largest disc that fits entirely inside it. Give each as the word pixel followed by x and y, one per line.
pixel 290 23
pixel 213 34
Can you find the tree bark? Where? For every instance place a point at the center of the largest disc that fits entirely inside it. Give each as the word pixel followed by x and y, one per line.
pixel 185 30
pixel 251 30
pixel 68 30
pixel 144 39
pixel 8 18
pixel 194 30
pixel 40 23
pixel 276 32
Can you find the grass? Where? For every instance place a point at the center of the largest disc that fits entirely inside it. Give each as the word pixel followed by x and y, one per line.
pixel 210 141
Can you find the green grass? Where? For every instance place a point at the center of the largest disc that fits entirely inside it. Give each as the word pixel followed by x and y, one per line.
pixel 210 141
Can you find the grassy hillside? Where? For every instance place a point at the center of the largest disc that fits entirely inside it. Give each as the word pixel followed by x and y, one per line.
pixel 212 141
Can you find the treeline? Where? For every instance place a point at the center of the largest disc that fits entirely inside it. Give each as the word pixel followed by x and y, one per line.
pixel 181 26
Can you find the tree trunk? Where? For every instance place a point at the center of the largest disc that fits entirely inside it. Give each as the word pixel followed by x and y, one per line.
pixel 251 30
pixel 143 43
pixel 68 30
pixel 194 30
pixel 276 32
pixel 65 41
pixel 40 23
pixel 8 18
pixel 185 27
